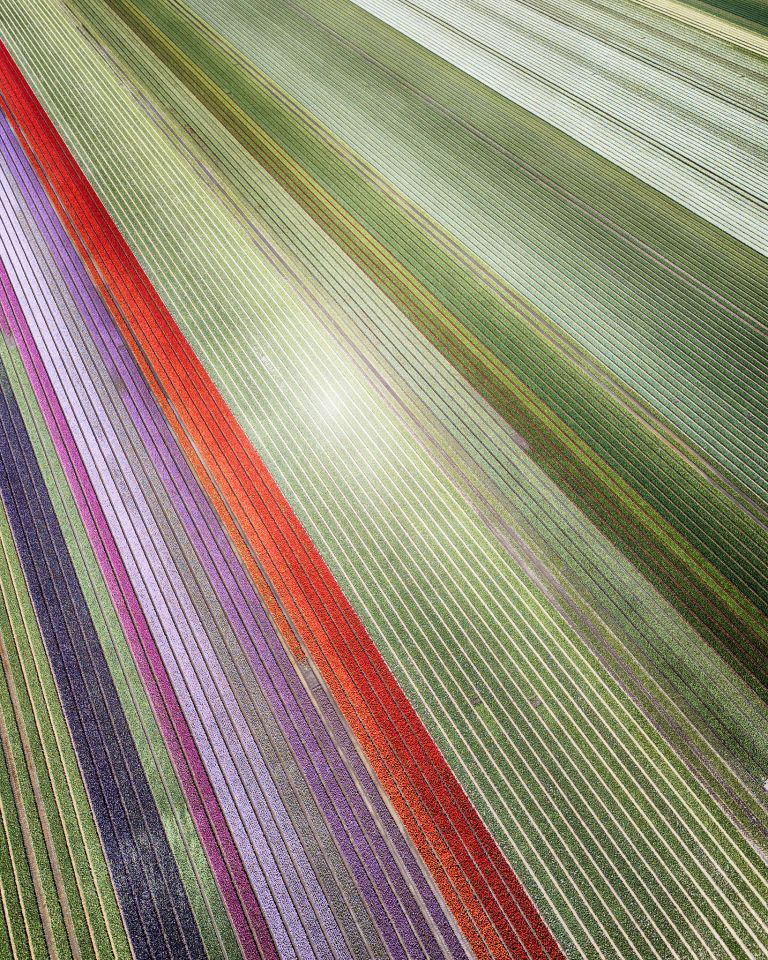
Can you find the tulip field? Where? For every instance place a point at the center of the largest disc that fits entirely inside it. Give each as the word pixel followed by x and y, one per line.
pixel 383 479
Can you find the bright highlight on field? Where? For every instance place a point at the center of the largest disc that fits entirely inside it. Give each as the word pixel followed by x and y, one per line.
pixel 384 479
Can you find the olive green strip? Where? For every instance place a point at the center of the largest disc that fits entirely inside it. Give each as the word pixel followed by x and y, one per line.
pixel 750 14
pixel 16 880
pixel 51 898
pixel 6 949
